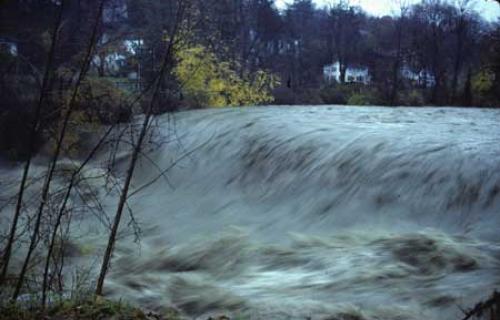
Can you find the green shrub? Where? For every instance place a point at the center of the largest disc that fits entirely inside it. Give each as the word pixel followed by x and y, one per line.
pixel 485 88
pixel 101 100
pixel 411 98
pixel 359 99
pixel 336 94
pixel 350 94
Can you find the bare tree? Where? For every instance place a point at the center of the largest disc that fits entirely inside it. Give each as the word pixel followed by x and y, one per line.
pixel 345 21
pixel 403 8
pixel 460 28
pixel 62 209
pixel 55 157
pixel 181 6
pixel 35 127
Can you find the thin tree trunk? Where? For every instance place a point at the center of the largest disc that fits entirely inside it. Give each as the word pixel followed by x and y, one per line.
pixel 343 71
pixel 52 166
pixel 33 134
pixel 395 75
pixel 135 156
pixel 458 60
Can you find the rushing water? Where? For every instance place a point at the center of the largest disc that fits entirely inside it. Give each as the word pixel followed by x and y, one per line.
pixel 315 212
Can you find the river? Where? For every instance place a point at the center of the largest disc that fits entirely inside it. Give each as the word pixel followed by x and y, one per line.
pixel 312 213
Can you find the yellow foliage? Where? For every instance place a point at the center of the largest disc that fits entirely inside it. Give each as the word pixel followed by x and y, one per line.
pixel 98 102
pixel 206 81
pixel 482 82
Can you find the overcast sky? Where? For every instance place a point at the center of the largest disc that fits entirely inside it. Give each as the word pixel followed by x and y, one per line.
pixel 488 8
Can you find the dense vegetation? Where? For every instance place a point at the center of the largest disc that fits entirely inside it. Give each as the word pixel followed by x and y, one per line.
pixel 242 52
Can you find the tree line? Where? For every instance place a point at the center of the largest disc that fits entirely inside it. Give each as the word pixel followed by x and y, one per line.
pixel 241 52
pixel 448 41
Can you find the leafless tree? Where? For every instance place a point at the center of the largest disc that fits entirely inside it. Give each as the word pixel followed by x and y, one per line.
pixel 34 131
pixel 167 59
pixel 403 9
pixel 62 209
pixel 55 157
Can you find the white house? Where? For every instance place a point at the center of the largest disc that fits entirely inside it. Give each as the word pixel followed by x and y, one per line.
pixel 8 47
pixel 331 73
pixel 422 77
pixel 115 11
pixel 116 59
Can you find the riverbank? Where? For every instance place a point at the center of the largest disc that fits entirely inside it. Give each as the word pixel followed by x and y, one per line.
pixel 100 308
pixel 87 309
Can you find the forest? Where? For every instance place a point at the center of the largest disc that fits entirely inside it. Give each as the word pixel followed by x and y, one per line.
pixel 244 52
pixel 128 126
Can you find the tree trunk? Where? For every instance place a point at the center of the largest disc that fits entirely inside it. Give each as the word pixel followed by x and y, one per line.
pixel 458 60
pixel 397 64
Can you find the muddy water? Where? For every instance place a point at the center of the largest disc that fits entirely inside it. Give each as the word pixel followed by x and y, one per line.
pixel 314 212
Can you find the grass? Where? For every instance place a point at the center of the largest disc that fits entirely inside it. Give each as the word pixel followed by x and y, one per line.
pixel 89 309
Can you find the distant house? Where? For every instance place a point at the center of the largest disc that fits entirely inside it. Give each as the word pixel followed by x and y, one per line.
pixel 331 73
pixel 422 78
pixel 115 11
pixel 115 59
pixel 8 46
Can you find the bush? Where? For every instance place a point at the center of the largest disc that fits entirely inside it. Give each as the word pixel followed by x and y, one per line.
pixel 336 94
pixel 87 309
pixel 101 100
pixel 358 99
pixel 309 97
pixel 350 94
pixel 287 96
pixel 411 98
pixel 485 88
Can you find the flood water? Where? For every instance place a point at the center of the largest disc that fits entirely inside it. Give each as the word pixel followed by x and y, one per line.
pixel 311 213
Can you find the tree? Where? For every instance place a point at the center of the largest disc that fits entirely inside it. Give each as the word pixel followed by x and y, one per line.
pixel 206 81
pixel 182 6
pixel 345 26
pixel 399 29
pixel 432 26
pixel 462 24
pixel 55 157
pixel 35 130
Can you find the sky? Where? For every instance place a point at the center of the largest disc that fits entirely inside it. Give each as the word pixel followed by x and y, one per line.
pixel 489 9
